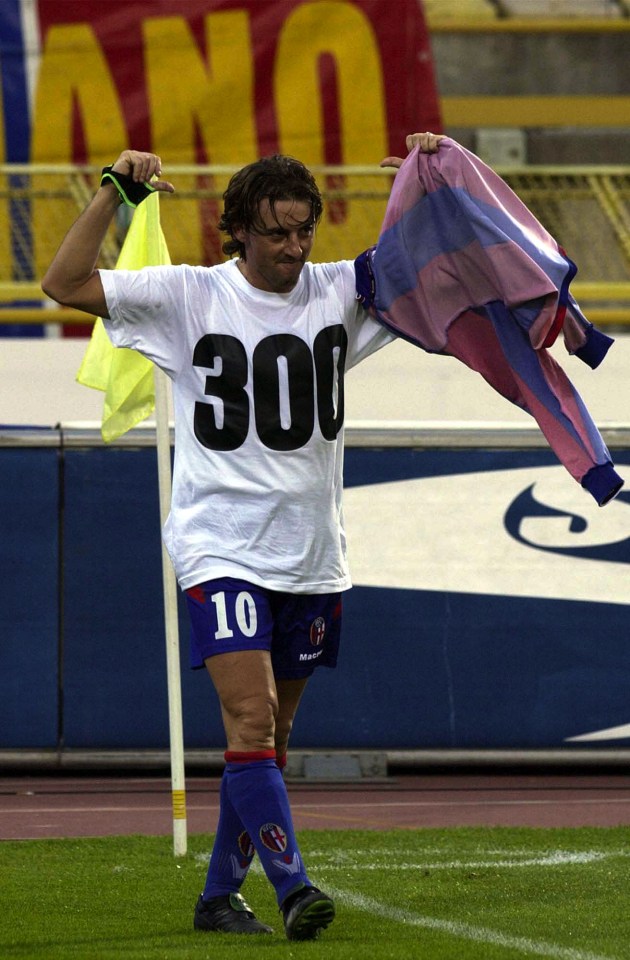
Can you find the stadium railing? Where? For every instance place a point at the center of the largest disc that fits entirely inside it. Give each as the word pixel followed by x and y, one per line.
pixel 587 209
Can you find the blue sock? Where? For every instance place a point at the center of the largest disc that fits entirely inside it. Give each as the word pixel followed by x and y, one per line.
pixel 232 853
pixel 258 794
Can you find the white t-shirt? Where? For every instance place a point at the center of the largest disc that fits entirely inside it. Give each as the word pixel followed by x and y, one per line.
pixel 258 400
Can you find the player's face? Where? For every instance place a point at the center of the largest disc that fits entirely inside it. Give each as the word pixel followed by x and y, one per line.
pixel 278 248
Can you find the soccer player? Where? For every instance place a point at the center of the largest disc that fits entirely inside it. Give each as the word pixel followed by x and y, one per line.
pixel 256 349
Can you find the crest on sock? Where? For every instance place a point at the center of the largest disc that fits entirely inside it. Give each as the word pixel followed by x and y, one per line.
pixel 273 837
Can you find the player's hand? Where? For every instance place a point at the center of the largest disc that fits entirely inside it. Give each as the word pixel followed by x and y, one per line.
pixel 142 168
pixel 428 143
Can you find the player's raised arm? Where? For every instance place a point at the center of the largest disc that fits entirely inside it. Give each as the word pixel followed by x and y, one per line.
pixel 72 278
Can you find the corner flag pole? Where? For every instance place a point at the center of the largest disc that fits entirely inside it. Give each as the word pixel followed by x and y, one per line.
pixel 176 731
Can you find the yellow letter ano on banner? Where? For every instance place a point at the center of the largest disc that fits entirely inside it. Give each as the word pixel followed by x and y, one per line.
pixel 73 73
pixel 200 110
pixel 341 31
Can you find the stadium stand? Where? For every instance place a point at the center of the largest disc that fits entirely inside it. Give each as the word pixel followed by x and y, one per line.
pixel 440 11
pixel 560 8
pixel 484 11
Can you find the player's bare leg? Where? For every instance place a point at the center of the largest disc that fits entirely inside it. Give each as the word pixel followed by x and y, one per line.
pixel 289 695
pixel 246 688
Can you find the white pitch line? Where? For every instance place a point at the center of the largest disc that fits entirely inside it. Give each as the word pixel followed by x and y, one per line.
pixel 554 860
pixel 464 931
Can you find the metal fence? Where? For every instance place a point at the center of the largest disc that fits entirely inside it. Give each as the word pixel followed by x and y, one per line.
pixel 587 209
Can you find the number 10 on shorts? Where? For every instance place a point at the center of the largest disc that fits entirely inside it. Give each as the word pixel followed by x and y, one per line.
pixel 243 616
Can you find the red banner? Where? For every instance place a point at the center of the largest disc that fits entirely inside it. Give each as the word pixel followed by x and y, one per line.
pixel 222 81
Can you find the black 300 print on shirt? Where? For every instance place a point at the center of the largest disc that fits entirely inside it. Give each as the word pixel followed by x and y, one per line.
pixel 285 404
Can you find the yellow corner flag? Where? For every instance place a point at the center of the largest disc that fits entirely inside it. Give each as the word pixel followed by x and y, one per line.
pixel 124 375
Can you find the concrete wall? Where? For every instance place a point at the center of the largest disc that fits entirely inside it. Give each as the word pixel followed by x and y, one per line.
pixel 400 382
pixel 541 63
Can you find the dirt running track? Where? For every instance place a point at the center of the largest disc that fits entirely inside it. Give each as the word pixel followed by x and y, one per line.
pixel 71 806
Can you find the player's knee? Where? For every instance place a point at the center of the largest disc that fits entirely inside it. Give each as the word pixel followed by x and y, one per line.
pixel 253 722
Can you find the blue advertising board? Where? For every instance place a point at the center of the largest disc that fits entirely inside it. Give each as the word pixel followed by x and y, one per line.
pixel 490 608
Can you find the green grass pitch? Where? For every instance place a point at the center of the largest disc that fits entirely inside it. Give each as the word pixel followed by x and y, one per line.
pixel 470 893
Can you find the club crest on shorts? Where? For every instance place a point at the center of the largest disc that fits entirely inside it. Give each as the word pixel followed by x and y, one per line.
pixel 318 629
pixel 273 837
pixel 245 844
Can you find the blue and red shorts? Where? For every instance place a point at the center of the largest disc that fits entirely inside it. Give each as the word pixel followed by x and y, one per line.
pixel 301 631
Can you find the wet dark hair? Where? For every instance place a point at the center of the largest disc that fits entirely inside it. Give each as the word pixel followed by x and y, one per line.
pixel 272 178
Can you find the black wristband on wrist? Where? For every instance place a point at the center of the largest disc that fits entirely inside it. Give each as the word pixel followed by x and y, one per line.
pixel 130 191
